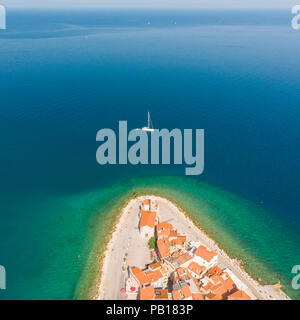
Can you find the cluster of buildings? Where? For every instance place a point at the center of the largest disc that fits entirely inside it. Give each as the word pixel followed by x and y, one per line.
pixel 181 270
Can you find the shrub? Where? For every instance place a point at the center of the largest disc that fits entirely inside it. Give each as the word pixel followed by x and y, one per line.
pixel 152 243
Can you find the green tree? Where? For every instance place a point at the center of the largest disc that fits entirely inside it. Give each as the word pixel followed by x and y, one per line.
pixel 152 243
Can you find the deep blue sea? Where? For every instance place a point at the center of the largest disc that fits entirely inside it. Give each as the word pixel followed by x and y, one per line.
pixel 65 74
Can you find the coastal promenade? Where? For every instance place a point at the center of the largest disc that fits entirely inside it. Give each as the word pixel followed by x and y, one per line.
pixel 128 248
pixel 125 248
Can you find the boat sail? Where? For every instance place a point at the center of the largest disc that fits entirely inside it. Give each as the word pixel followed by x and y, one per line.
pixel 148 128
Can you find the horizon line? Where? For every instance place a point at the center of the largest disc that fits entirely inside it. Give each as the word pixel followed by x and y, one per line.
pixel 142 8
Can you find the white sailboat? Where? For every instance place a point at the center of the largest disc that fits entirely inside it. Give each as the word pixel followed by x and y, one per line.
pixel 148 128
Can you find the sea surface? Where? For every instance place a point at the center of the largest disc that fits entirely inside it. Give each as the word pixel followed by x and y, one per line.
pixel 65 74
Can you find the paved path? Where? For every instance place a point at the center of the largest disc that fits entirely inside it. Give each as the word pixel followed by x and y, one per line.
pixel 128 249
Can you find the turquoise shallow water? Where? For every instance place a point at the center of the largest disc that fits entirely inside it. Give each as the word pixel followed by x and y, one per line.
pixel 65 75
pixel 245 230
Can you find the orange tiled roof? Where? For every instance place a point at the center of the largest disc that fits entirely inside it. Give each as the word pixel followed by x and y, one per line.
pixel 163 247
pixel 216 279
pixel 153 276
pixel 140 275
pixel 184 258
pixel 196 268
pixel 239 295
pixel 173 233
pixel 197 296
pixel 208 286
pixel 186 291
pixel 223 288
pixel 154 266
pixel 178 241
pixel 164 226
pixel 147 293
pixel 182 238
pixel 211 296
pixel 218 289
pixel 204 253
pixel 214 270
pixel 183 293
pixel 161 294
pixel 147 218
pixel 176 295
pixel 180 271
pixel 163 233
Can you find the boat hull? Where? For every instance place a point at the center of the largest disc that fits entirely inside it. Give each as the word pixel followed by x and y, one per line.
pixel 147 129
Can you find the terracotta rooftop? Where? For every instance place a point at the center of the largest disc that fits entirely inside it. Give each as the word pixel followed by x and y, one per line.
pixel 180 271
pixel 164 233
pixel 186 291
pixel 164 226
pixel 223 287
pixel 211 296
pixel 216 279
pixel 161 294
pixel 147 218
pixel 205 254
pixel 197 296
pixel 179 241
pixel 239 295
pixel 208 286
pixel 147 293
pixel 154 266
pixel 163 247
pixel 184 258
pixel 214 270
pixel 173 233
pixel 182 293
pixel 196 268
pixel 176 295
pixel 153 276
pixel 140 275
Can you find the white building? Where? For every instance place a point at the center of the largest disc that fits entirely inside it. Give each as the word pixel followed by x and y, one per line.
pixel 148 220
pixel 205 258
pixel 146 205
